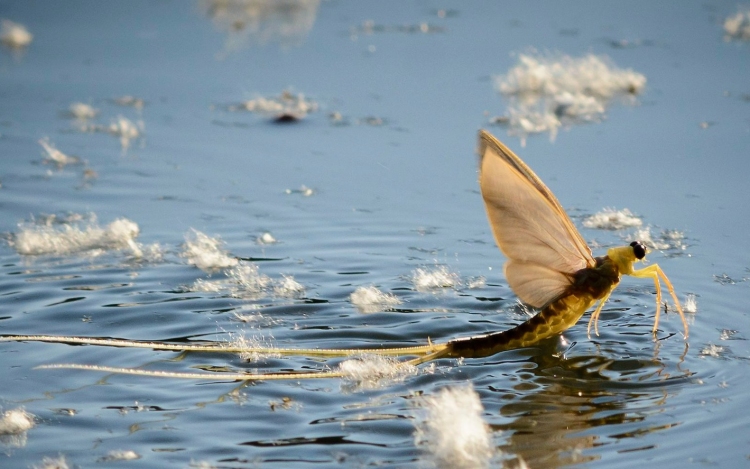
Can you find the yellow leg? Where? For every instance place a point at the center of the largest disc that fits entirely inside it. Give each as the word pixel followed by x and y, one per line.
pixel 596 313
pixel 654 272
pixel 674 297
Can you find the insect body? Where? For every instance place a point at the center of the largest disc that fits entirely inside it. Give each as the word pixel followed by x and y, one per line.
pixel 549 267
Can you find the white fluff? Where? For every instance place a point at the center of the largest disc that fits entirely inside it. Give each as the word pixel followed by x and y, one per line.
pixel 248 278
pixel 121 455
pixel 15 422
pixel 125 129
pixel 287 287
pixel 121 127
pixel 14 35
pixel 714 351
pixel 549 91
pixel 438 277
pixel 452 431
pixel 375 371
pixel 287 104
pixel 52 463
pixel 303 190
pixel 666 240
pixel 285 22
pixel 611 219
pixel 253 349
pixel 371 300
pixel 266 238
pixel 201 464
pixel 53 155
pixel 70 238
pixel 242 280
pixel 476 282
pixel 82 111
pixel 737 26
pixel 691 305
pixel 552 76
pixel 206 252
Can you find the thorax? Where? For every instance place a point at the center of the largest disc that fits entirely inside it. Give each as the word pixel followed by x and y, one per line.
pixel 598 280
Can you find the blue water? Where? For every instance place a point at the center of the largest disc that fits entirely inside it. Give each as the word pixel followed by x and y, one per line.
pixel 387 199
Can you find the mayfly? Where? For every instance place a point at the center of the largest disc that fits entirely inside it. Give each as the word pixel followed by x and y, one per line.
pixel 549 267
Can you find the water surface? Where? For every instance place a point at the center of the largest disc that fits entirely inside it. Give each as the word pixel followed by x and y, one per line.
pixel 393 190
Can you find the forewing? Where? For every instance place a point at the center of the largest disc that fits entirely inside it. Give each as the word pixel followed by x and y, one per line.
pixel 529 225
pixel 535 284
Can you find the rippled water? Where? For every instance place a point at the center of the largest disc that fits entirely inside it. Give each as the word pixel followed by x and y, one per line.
pixel 375 185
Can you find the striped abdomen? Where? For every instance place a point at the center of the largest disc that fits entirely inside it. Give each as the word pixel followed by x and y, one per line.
pixel 589 285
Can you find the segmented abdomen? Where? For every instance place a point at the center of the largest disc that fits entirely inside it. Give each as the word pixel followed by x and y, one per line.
pixel 553 319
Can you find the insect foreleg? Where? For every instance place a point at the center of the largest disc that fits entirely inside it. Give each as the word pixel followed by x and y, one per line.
pixel 654 272
pixel 674 297
pixel 595 314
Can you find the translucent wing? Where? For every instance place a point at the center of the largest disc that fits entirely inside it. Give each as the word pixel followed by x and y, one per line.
pixel 530 227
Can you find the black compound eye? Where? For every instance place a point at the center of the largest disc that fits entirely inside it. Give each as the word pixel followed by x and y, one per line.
pixel 638 249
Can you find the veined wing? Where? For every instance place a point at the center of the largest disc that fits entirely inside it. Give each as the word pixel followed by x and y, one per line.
pixel 530 226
